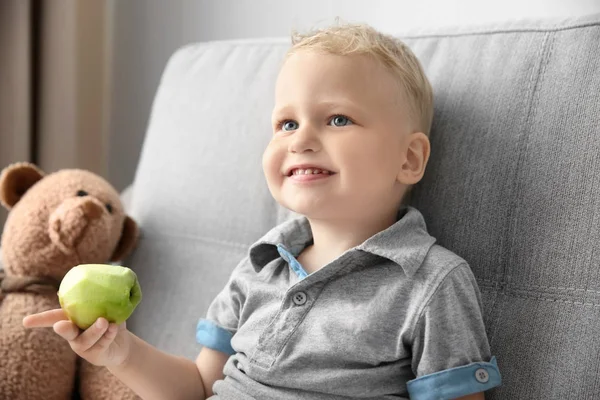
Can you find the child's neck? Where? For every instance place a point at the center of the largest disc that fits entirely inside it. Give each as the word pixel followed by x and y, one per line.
pixel 331 238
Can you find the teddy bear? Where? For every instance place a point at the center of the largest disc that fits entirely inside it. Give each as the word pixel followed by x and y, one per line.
pixel 55 222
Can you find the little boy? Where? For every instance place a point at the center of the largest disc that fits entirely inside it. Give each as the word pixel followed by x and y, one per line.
pixel 353 299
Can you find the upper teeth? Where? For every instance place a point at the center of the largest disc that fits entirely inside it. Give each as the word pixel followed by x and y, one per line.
pixel 308 171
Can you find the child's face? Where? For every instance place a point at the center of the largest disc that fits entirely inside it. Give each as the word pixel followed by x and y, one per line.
pixel 342 117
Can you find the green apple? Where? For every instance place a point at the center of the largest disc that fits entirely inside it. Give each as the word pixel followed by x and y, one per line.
pixel 90 291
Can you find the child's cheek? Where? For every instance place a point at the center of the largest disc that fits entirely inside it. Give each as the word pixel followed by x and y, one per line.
pixel 272 162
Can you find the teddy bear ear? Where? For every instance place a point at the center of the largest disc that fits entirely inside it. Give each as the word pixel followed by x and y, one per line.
pixel 127 241
pixel 15 181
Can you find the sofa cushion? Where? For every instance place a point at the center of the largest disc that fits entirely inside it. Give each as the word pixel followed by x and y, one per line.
pixel 513 185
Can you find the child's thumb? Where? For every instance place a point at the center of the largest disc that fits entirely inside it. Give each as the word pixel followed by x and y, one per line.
pixel 66 329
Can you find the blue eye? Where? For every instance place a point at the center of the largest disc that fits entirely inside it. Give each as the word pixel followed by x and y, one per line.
pixel 289 125
pixel 340 120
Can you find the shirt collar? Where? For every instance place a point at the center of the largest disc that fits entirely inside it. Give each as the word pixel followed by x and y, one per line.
pixel 406 243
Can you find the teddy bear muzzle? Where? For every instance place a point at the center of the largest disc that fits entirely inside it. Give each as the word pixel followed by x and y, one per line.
pixel 71 220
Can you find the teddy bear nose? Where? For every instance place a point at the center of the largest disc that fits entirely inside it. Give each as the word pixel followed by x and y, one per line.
pixel 91 209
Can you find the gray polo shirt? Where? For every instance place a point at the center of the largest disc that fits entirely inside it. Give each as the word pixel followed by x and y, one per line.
pixel 394 317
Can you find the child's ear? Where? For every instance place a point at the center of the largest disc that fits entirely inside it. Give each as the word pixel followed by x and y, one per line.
pixel 16 180
pixel 416 157
pixel 128 240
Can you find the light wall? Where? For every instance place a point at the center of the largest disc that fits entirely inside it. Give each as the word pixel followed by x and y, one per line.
pixel 147 32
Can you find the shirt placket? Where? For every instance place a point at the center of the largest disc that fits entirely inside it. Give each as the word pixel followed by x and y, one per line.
pixel 296 304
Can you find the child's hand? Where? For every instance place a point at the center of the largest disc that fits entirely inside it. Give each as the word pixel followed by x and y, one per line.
pixel 101 344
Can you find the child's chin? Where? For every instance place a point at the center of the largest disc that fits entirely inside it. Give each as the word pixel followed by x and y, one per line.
pixel 311 211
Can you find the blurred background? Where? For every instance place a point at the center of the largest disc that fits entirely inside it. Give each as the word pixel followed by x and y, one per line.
pixel 78 77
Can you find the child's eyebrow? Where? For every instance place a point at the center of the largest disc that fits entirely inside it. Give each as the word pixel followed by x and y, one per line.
pixel 326 104
pixel 282 110
pixel 329 104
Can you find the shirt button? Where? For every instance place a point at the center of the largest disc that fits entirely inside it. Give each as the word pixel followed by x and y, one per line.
pixel 482 375
pixel 299 298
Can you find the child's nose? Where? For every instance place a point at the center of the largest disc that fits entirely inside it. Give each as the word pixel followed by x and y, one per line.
pixel 304 139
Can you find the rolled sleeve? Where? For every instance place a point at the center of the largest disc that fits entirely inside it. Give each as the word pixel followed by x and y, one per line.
pixel 211 335
pixel 222 318
pixel 451 353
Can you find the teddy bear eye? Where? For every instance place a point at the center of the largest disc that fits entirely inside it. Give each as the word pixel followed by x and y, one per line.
pixel 109 208
pixel 82 193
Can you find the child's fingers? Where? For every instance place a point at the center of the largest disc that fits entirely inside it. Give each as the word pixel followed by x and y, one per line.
pixel 106 339
pixel 44 319
pixel 90 336
pixel 67 330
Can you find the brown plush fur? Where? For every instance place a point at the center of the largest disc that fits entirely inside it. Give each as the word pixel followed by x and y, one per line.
pixel 53 226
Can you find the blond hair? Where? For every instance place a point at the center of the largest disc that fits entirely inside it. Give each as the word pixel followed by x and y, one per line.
pixel 361 39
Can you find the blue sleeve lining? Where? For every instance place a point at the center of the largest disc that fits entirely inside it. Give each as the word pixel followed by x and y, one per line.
pixel 210 335
pixel 456 382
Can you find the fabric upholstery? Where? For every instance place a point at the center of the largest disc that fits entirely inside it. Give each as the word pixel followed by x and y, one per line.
pixel 512 186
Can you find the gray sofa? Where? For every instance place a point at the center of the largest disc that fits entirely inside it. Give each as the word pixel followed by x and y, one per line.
pixel 513 186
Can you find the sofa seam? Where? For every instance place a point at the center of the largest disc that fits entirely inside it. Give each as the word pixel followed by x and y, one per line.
pixel 503 276
pixel 546 30
pixel 543 297
pixel 546 52
pixel 284 41
pixel 491 284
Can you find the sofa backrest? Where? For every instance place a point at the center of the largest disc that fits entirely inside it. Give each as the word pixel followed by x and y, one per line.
pixel 512 186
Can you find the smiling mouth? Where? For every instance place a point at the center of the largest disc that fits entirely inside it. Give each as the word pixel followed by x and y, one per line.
pixel 309 176
pixel 309 171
